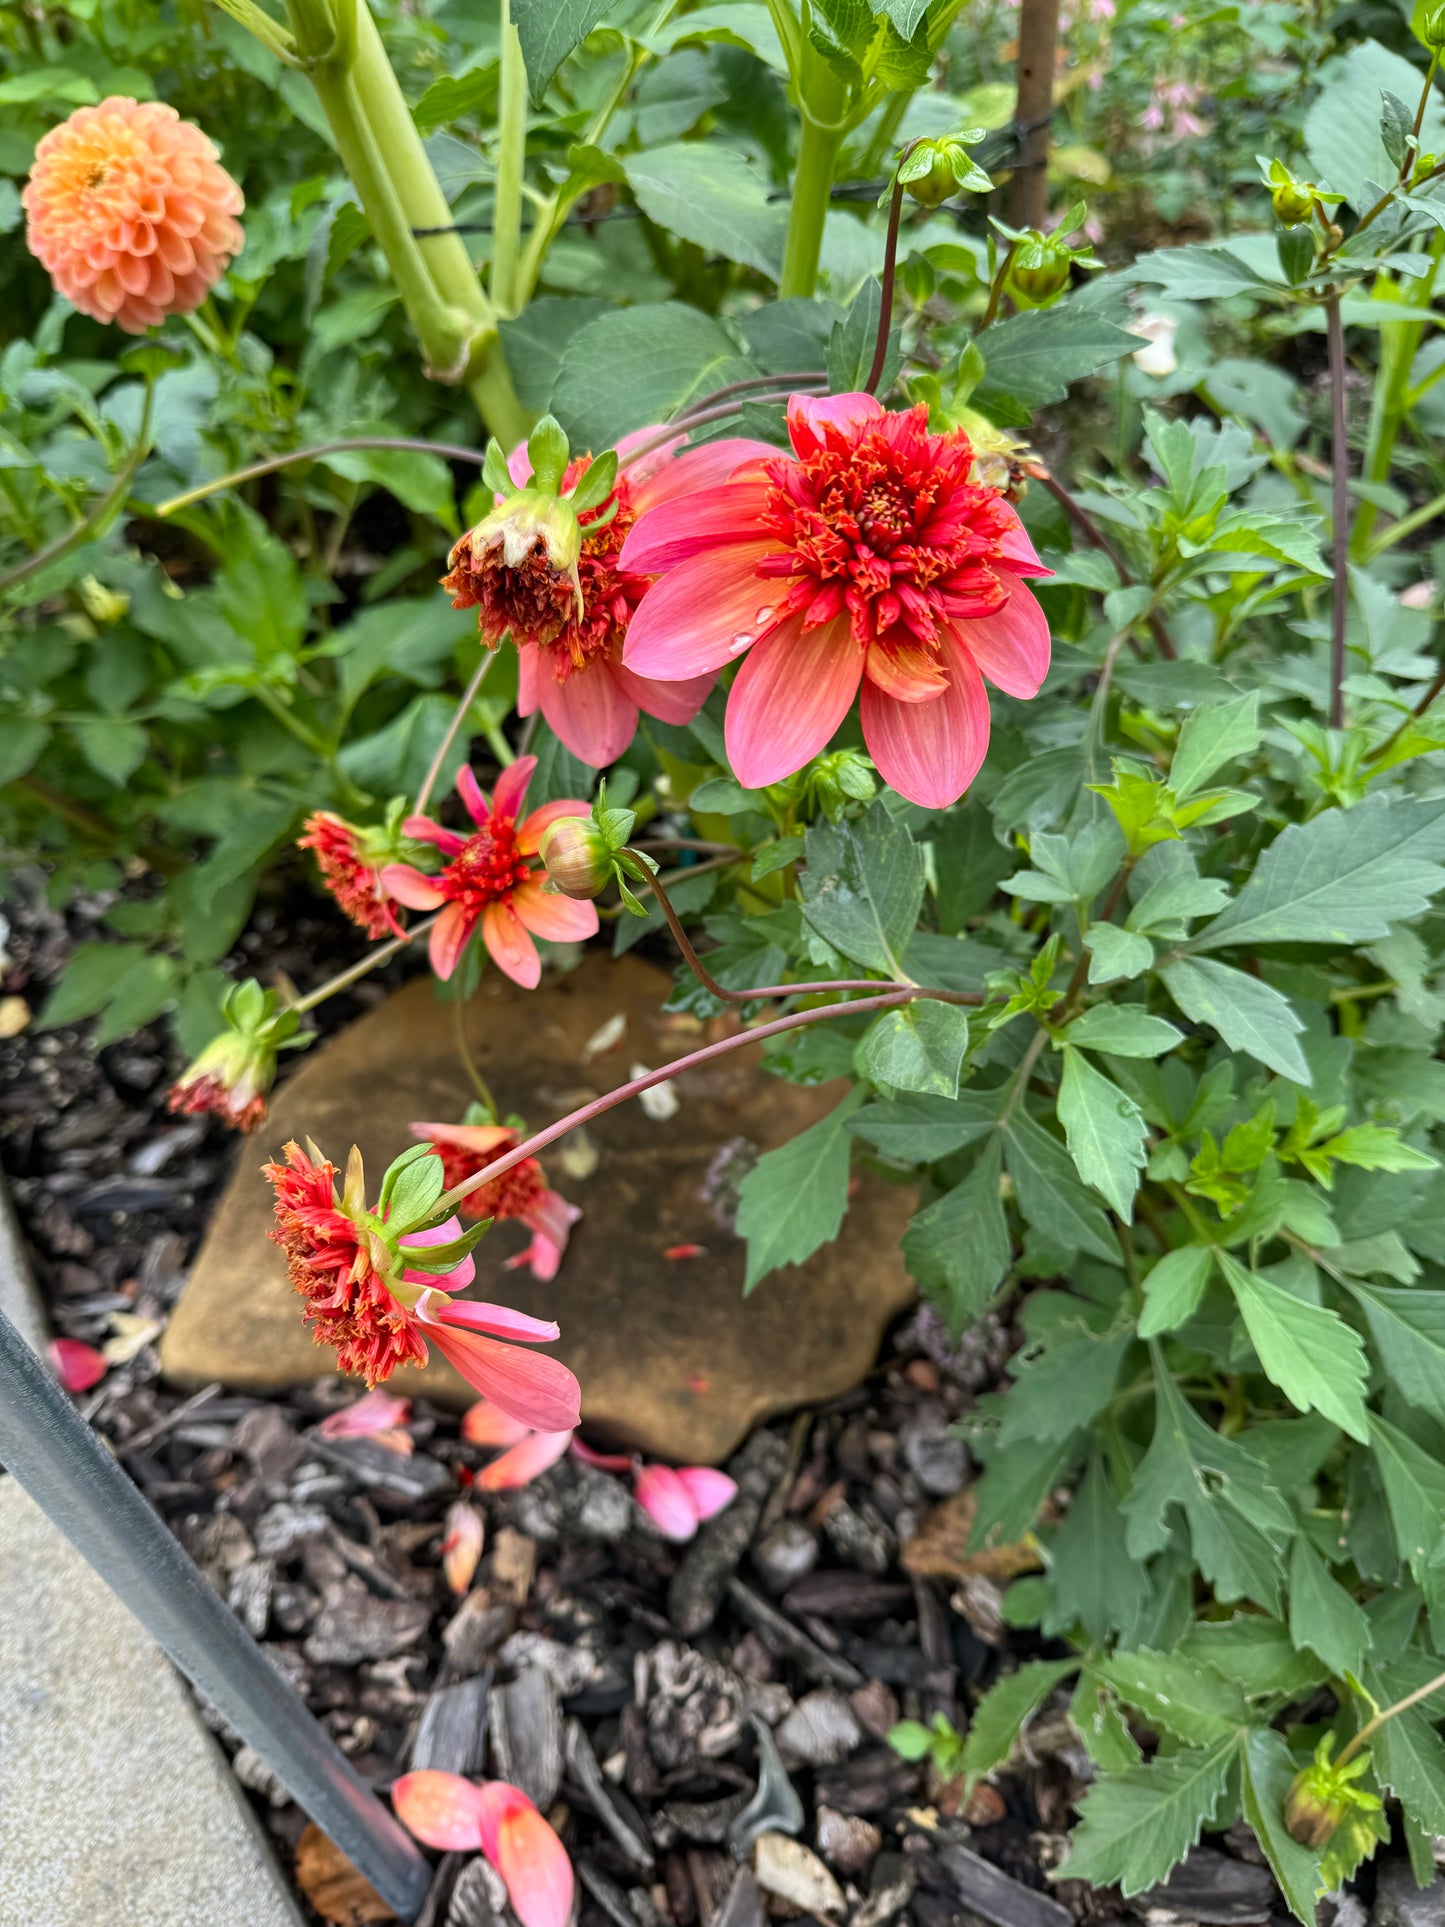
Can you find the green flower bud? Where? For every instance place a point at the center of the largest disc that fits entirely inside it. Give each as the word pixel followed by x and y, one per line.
pixel 1293 202
pixel 1432 30
pixel 577 856
pixel 1321 1794
pixel 1041 268
pixel 934 187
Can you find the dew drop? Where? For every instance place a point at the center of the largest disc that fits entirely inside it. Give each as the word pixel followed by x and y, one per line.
pixel 764 615
pixel 742 640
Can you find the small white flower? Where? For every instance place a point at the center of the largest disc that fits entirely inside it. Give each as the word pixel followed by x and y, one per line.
pixel 1158 357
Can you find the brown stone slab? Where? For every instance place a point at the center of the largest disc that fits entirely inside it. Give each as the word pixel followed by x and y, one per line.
pixel 672 1358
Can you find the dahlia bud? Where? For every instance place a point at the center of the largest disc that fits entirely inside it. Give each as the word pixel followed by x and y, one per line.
pixel 1432 30
pixel 1321 1795
pixel 934 170
pixel 1041 268
pixel 234 1072
pixel 1292 202
pixel 577 857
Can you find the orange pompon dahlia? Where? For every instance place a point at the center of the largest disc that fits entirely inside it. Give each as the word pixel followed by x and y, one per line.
pixel 131 212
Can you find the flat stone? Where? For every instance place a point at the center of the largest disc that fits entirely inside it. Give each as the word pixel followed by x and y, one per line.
pixel 672 1358
pixel 117 1804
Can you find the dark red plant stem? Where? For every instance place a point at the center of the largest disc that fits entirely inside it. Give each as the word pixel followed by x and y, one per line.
pixel 1340 477
pixel 890 269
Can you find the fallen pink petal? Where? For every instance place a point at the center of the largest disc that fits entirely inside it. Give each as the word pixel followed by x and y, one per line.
pixel 77 1366
pixel 441 1809
pixel 528 1855
pixel 462 1546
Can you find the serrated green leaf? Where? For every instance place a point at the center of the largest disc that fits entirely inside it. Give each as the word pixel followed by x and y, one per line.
pixel 794 1198
pixel 1408 1328
pixel 1268 1768
pixel 1106 1132
pixel 1414 1485
pixel 1322 1615
pixel 1094 1578
pixel 1255 1652
pixel 1123 1030
pixel 1034 358
pixel 1211 737
pixel 958 1248
pixel 920 1130
pixel 1062 1383
pixel 1050 1195
pixel 1248 1014
pixel 1173 1289
pixel 1136 1826
pixel 1115 954
pixel 1196 1704
pixel 863 888
pixel 1003 1711
pixel 1407 1752
pixel 713 196
pixel 548 31
pixel 1308 1350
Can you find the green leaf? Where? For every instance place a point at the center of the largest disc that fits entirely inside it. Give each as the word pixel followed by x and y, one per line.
pixel 918 1048
pixel 1307 1350
pixel 1248 1014
pixel 1116 953
pixel 1194 1703
pixel 1407 1752
pixel 1237 1520
pixel 1003 1711
pixel 794 1198
pixel 1408 1328
pixel 1124 1030
pixel 1094 1577
pixel 1106 1132
pixel 548 31
pixel 1210 738
pixel 1342 878
pixel 21 741
pixel 713 196
pixel 863 888
pixel 1062 1383
pixel 1268 1770
pixel 632 366
pixel 1050 1195
pixel 1342 127
pixel 88 981
pixel 1013 1489
pixel 1322 1615
pixel 1034 358
pixel 1136 1826
pixel 113 746
pixel 419 482
pixel 921 1130
pixel 958 1248
pixel 1257 1653
pixel 1173 1289
pixel 1197 273
pixel 1414 1485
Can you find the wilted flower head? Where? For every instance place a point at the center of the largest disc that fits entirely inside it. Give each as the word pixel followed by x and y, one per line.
pixel 522 1192
pixel 131 212
pixel 488 879
pixel 866 558
pixel 455 1815
pixel 351 860
pixel 234 1072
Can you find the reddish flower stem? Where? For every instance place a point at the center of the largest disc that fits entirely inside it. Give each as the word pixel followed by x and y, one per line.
pixel 893 995
pixel 1340 490
pixel 1088 527
pixel 890 270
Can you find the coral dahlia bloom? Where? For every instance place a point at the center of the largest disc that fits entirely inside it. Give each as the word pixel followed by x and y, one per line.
pixel 522 1192
pixel 379 1316
pixel 488 879
pixel 131 212
pixel 866 557
pixel 570 666
pixel 349 874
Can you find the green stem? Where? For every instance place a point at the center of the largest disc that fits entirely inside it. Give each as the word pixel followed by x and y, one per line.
pixel 1399 343
pixel 96 519
pixel 822 96
pixel 449 452
pixel 1371 1727
pixel 1406 526
pixel 462 711
pixel 511 159
pixel 363 967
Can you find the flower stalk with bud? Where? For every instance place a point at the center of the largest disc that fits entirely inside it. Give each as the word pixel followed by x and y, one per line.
pixel 232 1075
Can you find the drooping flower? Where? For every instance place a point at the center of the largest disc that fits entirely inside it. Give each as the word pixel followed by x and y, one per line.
pixel 78 1366
pixel 131 212
pixel 522 1192
pixel 372 1293
pixel 455 1815
pixel 231 1076
pixel 489 879
pixel 351 862
pixel 462 1546
pixel 867 557
pixel 570 661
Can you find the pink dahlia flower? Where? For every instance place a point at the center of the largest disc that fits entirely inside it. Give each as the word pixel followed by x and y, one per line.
pixel 522 1192
pixel 131 212
pixel 488 879
pixel 866 557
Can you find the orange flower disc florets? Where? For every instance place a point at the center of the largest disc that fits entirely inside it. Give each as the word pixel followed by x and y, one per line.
pixel 131 212
pixel 347 1302
pixel 536 602
pixel 353 882
pixel 512 1195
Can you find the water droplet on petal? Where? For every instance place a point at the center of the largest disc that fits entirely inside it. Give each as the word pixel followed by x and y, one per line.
pixel 742 640
pixel 764 615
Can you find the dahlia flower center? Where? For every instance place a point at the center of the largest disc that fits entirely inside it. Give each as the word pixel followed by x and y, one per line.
pixel 487 868
pixel 512 1195
pixel 887 529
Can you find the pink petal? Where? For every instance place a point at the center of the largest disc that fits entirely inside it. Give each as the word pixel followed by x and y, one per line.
pixel 530 829
pixel 511 791
pixel 666 1501
pixel 907 671
pixel 373 1412
pixel 519 465
pixel 603 1461
pixel 421 829
pixel 709 1489
pixel 497 1321
pixel 530 669
pixel 77 1366
pixel 455 1280
pixel 703 614
pixel 930 752
pixel 526 1460
pixel 590 713
pixel 486 1424
pixel 811 416
pixel 481 1138
pixel 528 1855
pixel 509 946
pixel 441 1809
pixel 698 468
pixel 538 1390
pixel 449 935
pixel 669 702
pixel 542 1257
pixel 462 1546
pixel 789 697
pixel 553 1217
pixel 474 797
pixel 410 887
pixel 689 524
pixel 559 919
pixel 1011 646
pixel 1018 552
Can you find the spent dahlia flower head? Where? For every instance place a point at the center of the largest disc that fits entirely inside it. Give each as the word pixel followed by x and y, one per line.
pixel 489 880
pixel 457 1816
pixel 867 560
pixel 377 1284
pixel 130 211
pixel 351 860
pixel 234 1072
pixel 522 1193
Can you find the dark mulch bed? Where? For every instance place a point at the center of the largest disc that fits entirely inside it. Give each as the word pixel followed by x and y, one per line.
pixel 628 1685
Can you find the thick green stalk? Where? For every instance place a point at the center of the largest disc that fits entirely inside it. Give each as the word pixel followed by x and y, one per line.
pixel 511 159
pixel 822 97
pixel 1399 344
